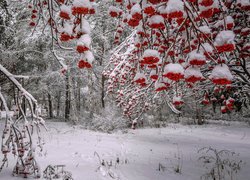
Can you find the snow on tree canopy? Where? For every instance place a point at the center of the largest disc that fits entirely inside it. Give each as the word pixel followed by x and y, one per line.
pixel 136 11
pixel 208 11
pixel 83 43
pixel 66 32
pixel 86 60
pixel 159 86
pixel 149 9
pixel 177 101
pixel 193 74
pixel 224 37
pixel 140 78
pixel 205 29
pixel 150 56
pixel 223 109
pixel 166 81
pixel 196 58
pixel 114 11
pixel 207 48
pixel 67 29
pixel 139 30
pixel 246 47
pixel 89 56
pixel 163 11
pixel 224 41
pixel 245 4
pixel 156 21
pixel 130 3
pixel 153 75
pixel 119 29
pixel 221 75
pixel 81 7
pixel 65 12
pixel 85 28
pixel 132 21
pixel 81 3
pixel 229 20
pixel 230 103
pixel 173 71
pixel 175 8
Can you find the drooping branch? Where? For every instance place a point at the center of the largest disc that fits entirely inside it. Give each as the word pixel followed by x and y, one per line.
pixel 18 133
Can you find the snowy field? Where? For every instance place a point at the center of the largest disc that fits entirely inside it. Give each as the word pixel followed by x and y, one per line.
pixel 140 151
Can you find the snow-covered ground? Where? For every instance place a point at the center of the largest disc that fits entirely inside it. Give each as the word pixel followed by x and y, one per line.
pixel 139 151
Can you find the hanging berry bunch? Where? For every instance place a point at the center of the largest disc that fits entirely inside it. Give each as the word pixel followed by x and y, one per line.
pixel 68 23
pixel 177 45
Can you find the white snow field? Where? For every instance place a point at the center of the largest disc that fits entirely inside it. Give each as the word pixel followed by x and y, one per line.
pixel 139 151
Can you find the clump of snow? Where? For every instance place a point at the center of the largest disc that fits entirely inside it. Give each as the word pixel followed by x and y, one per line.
pixel 139 75
pixel 193 71
pixel 246 46
pixel 66 9
pixel 81 3
pixel 173 68
pixel 205 29
pixel 229 19
pixel 195 55
pixel 159 85
pixel 162 10
pixel 207 47
pixel 114 9
pixel 221 71
pixel 136 9
pixel 85 27
pixel 153 72
pixel 88 55
pixel 68 28
pixel 119 29
pixel 243 2
pixel 166 81
pixel 214 5
pixel 84 40
pixel 174 5
pixel 155 19
pixel 151 52
pixel 177 99
pixel 245 30
pixel 140 29
pixel 225 37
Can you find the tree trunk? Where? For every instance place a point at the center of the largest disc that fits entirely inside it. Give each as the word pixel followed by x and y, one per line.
pixel 91 102
pixel 79 96
pixel 50 106
pixel 199 115
pixel 58 103
pixel 24 101
pixel 67 99
pixel 102 91
pixel 74 115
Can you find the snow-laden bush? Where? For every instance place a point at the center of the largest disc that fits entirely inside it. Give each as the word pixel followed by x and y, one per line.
pixel 220 164
pixel 108 121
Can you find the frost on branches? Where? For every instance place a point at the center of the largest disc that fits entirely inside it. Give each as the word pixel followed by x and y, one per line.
pixel 179 49
pixel 18 134
pixel 69 29
pixel 68 25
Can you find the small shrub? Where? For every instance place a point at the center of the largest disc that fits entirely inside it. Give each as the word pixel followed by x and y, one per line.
pixel 221 164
